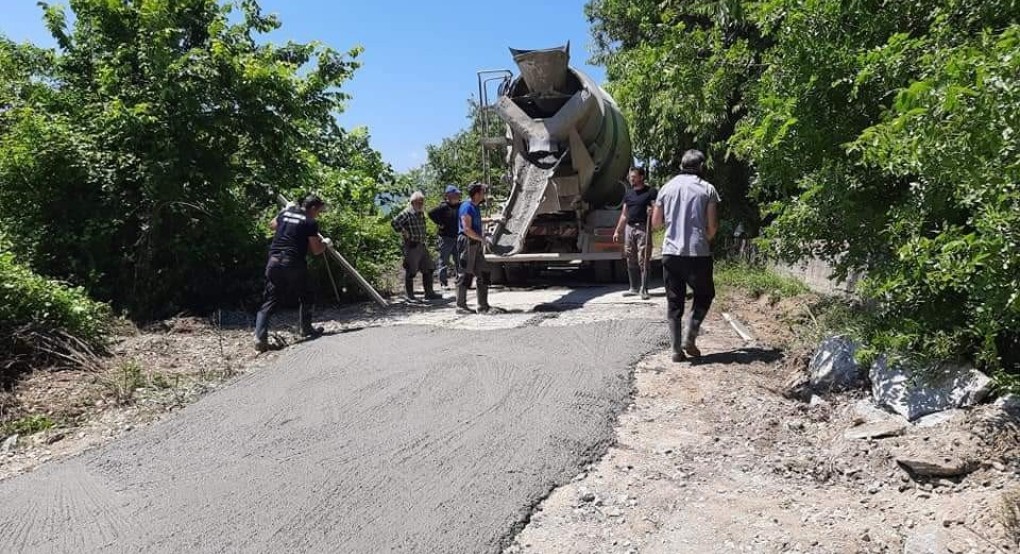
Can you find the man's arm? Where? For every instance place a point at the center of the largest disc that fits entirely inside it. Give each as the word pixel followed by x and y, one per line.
pixel 620 223
pixel 658 220
pixel 399 224
pixel 434 215
pixel 315 245
pixel 273 224
pixel 713 220
pixel 465 221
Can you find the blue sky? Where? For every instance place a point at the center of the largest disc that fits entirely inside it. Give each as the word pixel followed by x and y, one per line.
pixel 420 57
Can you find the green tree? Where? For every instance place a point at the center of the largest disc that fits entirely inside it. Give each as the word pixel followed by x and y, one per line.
pixel 880 136
pixel 139 158
pixel 679 71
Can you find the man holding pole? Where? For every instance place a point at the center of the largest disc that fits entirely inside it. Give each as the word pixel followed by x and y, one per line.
pixel 296 233
pixel 635 216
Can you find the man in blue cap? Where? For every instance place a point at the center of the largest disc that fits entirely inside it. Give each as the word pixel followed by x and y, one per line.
pixel 446 219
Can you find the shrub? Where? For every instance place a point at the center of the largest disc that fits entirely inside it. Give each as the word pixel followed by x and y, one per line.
pixel 45 322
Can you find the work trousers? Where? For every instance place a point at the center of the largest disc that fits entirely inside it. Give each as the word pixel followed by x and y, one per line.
pixel 634 244
pixel 470 263
pixel 283 286
pixel 680 272
pixel 447 260
pixel 416 258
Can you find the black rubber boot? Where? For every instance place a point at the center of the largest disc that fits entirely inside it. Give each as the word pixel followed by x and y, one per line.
pixel 312 332
pixel 644 286
pixel 676 340
pixel 634 276
pixel 409 287
pixel 690 338
pixel 483 294
pixel 430 291
pixel 462 288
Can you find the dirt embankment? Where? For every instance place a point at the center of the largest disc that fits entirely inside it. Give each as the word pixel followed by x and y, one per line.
pixel 713 457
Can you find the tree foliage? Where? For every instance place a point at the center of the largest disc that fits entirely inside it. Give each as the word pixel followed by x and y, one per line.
pixel 881 137
pixel 139 158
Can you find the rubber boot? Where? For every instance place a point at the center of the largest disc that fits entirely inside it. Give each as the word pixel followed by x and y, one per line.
pixel 409 287
pixel 690 338
pixel 483 294
pixel 634 276
pixel 644 286
pixel 307 329
pixel 462 305
pixel 430 291
pixel 676 340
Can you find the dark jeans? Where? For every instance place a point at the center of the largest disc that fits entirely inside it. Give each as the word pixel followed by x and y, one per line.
pixel 680 272
pixel 283 284
pixel 447 259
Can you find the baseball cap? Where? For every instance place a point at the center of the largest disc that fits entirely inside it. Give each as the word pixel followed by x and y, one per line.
pixel 452 189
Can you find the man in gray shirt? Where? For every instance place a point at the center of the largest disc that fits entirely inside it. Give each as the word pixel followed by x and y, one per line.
pixel 688 207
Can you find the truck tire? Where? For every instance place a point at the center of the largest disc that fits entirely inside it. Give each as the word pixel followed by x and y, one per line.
pixel 603 270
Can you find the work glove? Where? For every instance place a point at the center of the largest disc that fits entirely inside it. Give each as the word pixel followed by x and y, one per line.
pixel 328 242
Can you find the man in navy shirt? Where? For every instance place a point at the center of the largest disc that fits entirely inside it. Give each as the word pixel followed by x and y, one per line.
pixel 296 233
pixel 471 251
pixel 446 216
pixel 636 204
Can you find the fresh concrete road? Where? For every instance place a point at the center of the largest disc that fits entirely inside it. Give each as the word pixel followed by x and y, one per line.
pixel 438 436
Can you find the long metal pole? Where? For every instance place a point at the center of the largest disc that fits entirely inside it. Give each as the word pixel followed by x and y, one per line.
pixel 365 285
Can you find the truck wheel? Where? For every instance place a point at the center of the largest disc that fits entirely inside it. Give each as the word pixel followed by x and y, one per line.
pixel 603 270
pixel 620 271
pixel 516 274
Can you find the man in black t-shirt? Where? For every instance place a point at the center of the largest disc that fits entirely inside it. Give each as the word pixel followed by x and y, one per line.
pixel 634 216
pixel 446 219
pixel 296 233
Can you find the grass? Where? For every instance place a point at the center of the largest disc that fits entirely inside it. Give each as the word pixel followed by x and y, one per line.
pixel 758 280
pixel 124 382
pixel 28 425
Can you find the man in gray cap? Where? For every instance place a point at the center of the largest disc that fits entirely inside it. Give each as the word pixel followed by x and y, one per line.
pixel 688 207
pixel 410 223
pixel 446 220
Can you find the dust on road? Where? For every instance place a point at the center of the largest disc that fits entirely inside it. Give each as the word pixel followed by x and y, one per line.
pixel 402 438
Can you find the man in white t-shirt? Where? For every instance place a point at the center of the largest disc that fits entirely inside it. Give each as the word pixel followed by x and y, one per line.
pixel 688 207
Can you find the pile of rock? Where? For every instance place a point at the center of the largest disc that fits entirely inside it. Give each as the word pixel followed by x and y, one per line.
pixel 905 400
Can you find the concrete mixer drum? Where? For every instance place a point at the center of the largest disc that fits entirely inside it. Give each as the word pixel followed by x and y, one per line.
pixel 568 151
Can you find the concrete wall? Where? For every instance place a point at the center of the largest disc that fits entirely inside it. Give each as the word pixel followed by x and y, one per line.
pixel 817 275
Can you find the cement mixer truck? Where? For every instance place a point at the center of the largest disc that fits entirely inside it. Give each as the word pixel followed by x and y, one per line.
pixel 568 152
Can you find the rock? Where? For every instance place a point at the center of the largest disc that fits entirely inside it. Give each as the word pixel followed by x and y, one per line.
pixel 866 411
pixel 833 367
pixel 931 464
pixel 9 444
pixel 939 418
pixel 891 427
pixel 915 394
pixel 926 540
pixel 588 497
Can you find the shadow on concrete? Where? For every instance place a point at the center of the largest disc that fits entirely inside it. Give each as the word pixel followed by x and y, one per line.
pixel 740 356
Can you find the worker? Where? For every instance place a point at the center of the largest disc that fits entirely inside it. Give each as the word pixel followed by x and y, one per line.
pixel 471 244
pixel 446 216
pixel 296 232
pixel 634 224
pixel 688 208
pixel 410 223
